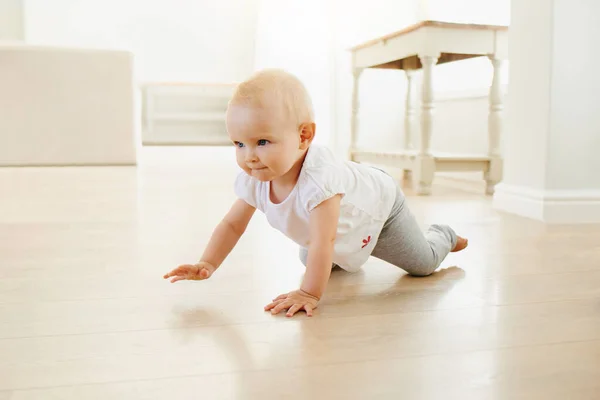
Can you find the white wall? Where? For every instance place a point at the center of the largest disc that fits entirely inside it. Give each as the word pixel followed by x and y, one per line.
pixel 173 40
pixel 528 100
pixel 11 20
pixel 296 36
pixel 574 137
pixel 493 12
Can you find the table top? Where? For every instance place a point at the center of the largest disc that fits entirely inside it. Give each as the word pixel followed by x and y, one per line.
pixel 423 24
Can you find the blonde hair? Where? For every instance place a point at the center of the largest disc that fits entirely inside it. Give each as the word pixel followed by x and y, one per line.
pixel 276 89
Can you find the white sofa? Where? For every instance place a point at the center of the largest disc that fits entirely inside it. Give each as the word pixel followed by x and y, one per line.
pixel 64 106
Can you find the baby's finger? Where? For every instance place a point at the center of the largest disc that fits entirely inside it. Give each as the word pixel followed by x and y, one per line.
pixel 177 271
pixel 272 304
pixel 309 310
pixel 280 297
pixel 169 274
pixel 281 306
pixel 177 278
pixel 293 310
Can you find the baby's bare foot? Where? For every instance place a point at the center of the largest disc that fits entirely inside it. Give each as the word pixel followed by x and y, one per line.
pixel 461 243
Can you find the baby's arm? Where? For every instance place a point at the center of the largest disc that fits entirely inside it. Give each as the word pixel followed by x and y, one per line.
pixel 223 240
pixel 322 230
pixel 227 233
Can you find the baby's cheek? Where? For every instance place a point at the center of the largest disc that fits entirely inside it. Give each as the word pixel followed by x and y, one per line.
pixel 243 166
pixel 269 161
pixel 282 166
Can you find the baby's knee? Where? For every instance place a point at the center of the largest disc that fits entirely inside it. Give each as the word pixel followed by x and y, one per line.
pixel 420 274
pixel 420 269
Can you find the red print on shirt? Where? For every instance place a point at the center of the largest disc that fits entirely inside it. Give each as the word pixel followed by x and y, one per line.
pixel 366 242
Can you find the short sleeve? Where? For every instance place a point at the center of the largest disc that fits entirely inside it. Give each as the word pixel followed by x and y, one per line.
pixel 247 189
pixel 322 184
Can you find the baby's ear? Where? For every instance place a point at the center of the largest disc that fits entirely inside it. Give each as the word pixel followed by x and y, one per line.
pixel 307 134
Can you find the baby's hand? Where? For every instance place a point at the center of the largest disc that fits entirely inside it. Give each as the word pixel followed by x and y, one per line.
pixel 196 272
pixel 293 302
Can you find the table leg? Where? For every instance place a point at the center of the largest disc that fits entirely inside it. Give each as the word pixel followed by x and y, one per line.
pixel 356 72
pixel 495 124
pixel 410 114
pixel 425 162
pixel 410 111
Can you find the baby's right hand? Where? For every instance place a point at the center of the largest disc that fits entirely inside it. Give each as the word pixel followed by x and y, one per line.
pixel 196 272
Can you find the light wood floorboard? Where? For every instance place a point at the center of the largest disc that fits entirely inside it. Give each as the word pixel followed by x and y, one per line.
pixel 85 313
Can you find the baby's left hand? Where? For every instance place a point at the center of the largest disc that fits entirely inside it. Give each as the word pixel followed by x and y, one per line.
pixel 293 302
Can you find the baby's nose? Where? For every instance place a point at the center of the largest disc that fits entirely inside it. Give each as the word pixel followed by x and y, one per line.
pixel 251 157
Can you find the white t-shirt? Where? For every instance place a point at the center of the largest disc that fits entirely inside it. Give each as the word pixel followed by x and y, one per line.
pixel 368 195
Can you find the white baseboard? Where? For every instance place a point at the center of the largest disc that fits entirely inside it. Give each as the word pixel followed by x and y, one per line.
pixel 550 206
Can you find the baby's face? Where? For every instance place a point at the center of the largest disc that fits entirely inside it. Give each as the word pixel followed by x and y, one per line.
pixel 266 147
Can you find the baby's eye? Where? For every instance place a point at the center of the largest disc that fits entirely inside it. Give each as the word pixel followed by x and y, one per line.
pixel 262 142
pixel 239 144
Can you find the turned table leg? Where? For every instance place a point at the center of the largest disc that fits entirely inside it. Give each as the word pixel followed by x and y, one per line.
pixel 354 121
pixel 495 123
pixel 410 110
pixel 410 114
pixel 425 168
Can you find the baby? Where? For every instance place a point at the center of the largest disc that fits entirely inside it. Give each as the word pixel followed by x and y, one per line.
pixel 338 212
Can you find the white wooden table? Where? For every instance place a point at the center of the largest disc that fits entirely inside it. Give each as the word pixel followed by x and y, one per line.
pixel 422 46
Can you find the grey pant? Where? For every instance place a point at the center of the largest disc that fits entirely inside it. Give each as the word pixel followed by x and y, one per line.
pixel 403 244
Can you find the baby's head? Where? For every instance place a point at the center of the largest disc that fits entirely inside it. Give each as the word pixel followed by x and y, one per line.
pixel 271 122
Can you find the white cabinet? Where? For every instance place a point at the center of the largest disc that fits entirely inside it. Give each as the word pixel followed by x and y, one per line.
pixel 185 113
pixel 66 106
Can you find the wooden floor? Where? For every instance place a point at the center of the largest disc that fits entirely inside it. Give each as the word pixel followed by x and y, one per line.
pixel 85 313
